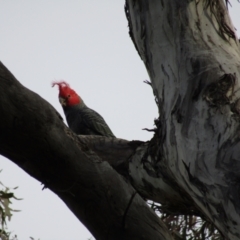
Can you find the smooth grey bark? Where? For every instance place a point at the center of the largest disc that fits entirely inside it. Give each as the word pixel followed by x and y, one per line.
pixel 33 135
pixel 192 56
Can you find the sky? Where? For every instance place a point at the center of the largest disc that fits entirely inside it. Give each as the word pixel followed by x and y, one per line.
pixel 87 44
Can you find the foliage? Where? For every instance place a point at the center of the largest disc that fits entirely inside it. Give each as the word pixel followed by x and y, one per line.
pixel 6 195
pixel 187 227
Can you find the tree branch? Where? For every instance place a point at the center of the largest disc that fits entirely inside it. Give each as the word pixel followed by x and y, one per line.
pixel 34 137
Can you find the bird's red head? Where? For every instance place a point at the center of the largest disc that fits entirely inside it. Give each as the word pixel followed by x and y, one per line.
pixel 67 96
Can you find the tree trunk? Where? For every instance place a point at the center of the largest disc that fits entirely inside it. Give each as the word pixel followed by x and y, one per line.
pixel 192 56
pixel 191 164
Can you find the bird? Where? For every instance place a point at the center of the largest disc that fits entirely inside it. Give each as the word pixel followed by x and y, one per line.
pixel 81 119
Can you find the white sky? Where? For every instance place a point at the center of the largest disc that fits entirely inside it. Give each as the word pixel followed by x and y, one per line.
pixel 87 44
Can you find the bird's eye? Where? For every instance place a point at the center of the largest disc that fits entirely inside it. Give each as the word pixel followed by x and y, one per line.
pixel 68 96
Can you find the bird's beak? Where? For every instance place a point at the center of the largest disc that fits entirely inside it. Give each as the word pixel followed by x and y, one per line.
pixel 62 101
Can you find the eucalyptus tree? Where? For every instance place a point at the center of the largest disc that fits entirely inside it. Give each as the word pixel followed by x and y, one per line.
pixel 190 166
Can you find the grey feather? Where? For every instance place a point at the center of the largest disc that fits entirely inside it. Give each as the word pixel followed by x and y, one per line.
pixel 85 121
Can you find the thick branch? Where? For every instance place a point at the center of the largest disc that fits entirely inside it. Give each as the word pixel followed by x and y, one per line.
pixel 133 161
pixel 35 138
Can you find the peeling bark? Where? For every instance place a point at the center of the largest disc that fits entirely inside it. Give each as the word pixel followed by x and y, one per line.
pixel 192 56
